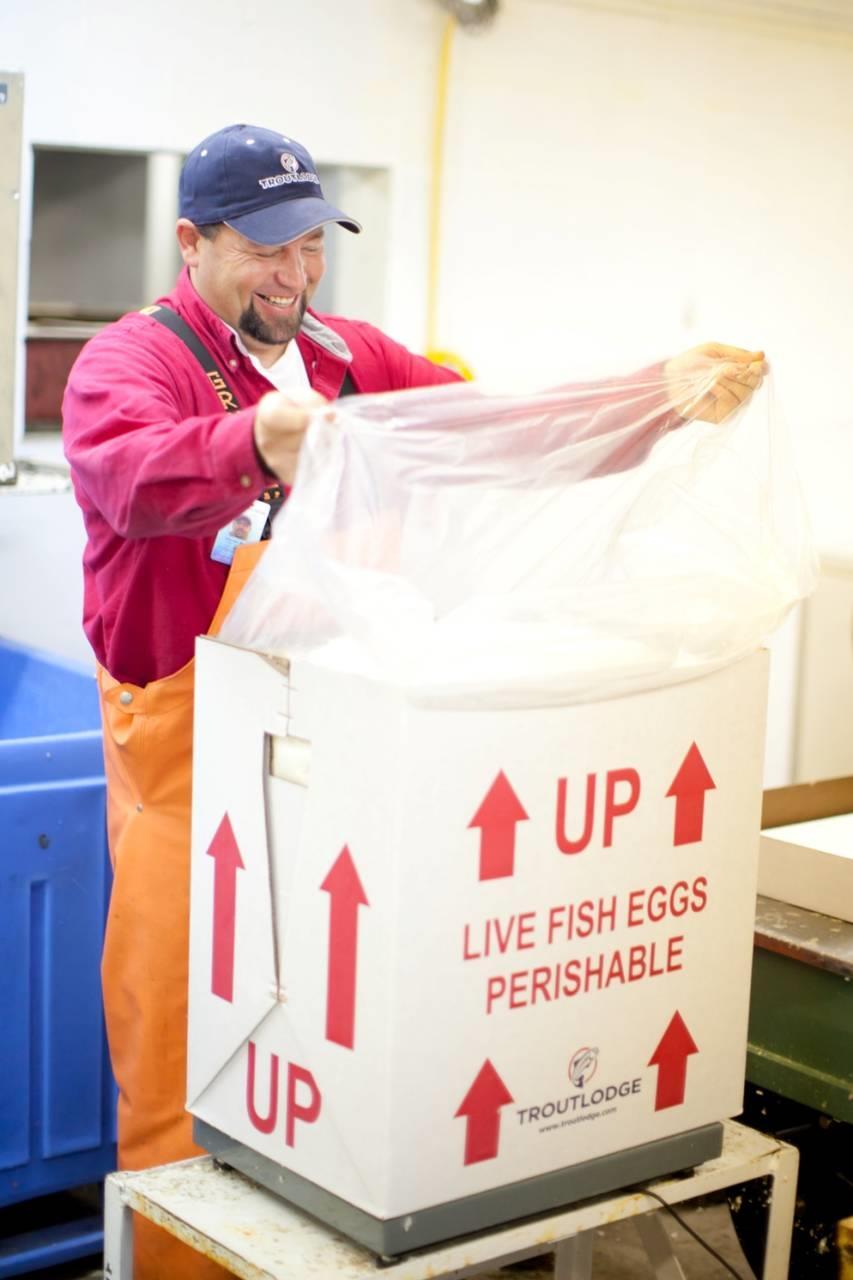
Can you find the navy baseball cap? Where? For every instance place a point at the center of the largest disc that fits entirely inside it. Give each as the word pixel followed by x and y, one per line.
pixel 261 183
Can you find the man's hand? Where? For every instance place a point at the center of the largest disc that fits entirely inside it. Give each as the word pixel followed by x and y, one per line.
pixel 711 381
pixel 281 420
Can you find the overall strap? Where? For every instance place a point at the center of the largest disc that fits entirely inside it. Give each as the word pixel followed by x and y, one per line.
pixel 178 325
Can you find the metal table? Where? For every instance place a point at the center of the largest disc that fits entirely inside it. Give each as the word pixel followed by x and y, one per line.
pixel 254 1234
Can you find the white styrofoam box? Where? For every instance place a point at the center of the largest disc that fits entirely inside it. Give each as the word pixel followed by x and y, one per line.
pixel 824 740
pixel 810 864
pixel 436 951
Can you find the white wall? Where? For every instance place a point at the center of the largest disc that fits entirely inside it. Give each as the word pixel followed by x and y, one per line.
pixel 628 186
pixel 616 187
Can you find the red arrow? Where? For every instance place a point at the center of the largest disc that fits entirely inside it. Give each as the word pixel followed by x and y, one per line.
pixel 346 895
pixel 689 787
pixel 481 1105
pixel 496 817
pixel 670 1058
pixel 227 862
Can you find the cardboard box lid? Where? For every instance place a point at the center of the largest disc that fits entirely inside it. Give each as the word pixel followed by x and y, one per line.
pixel 807 800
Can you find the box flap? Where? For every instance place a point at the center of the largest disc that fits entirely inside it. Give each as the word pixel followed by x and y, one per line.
pixel 241 700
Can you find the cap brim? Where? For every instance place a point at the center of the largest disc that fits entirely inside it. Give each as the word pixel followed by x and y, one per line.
pixel 280 223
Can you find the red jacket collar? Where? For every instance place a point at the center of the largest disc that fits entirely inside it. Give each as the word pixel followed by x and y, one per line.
pixel 213 332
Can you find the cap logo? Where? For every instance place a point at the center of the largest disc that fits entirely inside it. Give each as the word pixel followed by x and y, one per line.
pixel 292 173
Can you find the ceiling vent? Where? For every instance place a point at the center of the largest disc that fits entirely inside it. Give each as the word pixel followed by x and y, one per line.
pixel 471 13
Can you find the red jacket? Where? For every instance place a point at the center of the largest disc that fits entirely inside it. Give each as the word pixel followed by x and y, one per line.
pixel 158 468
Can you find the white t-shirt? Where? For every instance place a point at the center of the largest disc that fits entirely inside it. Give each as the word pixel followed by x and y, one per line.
pixel 288 373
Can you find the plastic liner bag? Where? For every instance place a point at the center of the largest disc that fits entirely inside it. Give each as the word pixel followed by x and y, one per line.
pixel 491 550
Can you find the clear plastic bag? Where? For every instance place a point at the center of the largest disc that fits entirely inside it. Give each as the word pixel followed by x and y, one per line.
pixel 483 549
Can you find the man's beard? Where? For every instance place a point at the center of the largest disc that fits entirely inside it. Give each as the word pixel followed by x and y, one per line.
pixel 273 335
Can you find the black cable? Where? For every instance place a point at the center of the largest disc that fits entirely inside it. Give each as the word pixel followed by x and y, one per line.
pixel 695 1234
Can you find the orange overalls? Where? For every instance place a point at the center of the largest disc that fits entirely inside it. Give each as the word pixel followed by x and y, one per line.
pixel 148 759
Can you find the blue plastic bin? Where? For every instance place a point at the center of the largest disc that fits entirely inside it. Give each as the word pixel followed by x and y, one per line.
pixel 57 1095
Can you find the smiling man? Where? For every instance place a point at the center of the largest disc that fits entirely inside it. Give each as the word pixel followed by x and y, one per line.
pixel 179 421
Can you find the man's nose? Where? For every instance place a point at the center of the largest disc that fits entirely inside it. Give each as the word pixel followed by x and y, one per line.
pixel 290 269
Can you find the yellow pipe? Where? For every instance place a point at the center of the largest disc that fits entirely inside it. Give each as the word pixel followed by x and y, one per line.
pixel 437 176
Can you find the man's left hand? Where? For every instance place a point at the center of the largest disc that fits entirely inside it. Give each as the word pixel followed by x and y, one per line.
pixel 711 381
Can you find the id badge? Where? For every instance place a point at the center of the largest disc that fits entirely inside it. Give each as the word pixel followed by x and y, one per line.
pixel 243 529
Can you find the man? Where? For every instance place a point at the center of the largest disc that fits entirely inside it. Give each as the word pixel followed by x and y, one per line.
pixel 165 456
pixel 178 421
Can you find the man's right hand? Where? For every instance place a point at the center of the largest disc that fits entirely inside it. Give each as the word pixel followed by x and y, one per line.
pixel 281 420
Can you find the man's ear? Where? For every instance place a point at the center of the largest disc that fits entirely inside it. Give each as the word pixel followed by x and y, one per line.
pixel 188 241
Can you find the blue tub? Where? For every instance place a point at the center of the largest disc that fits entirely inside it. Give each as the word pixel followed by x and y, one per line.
pixel 57 1096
